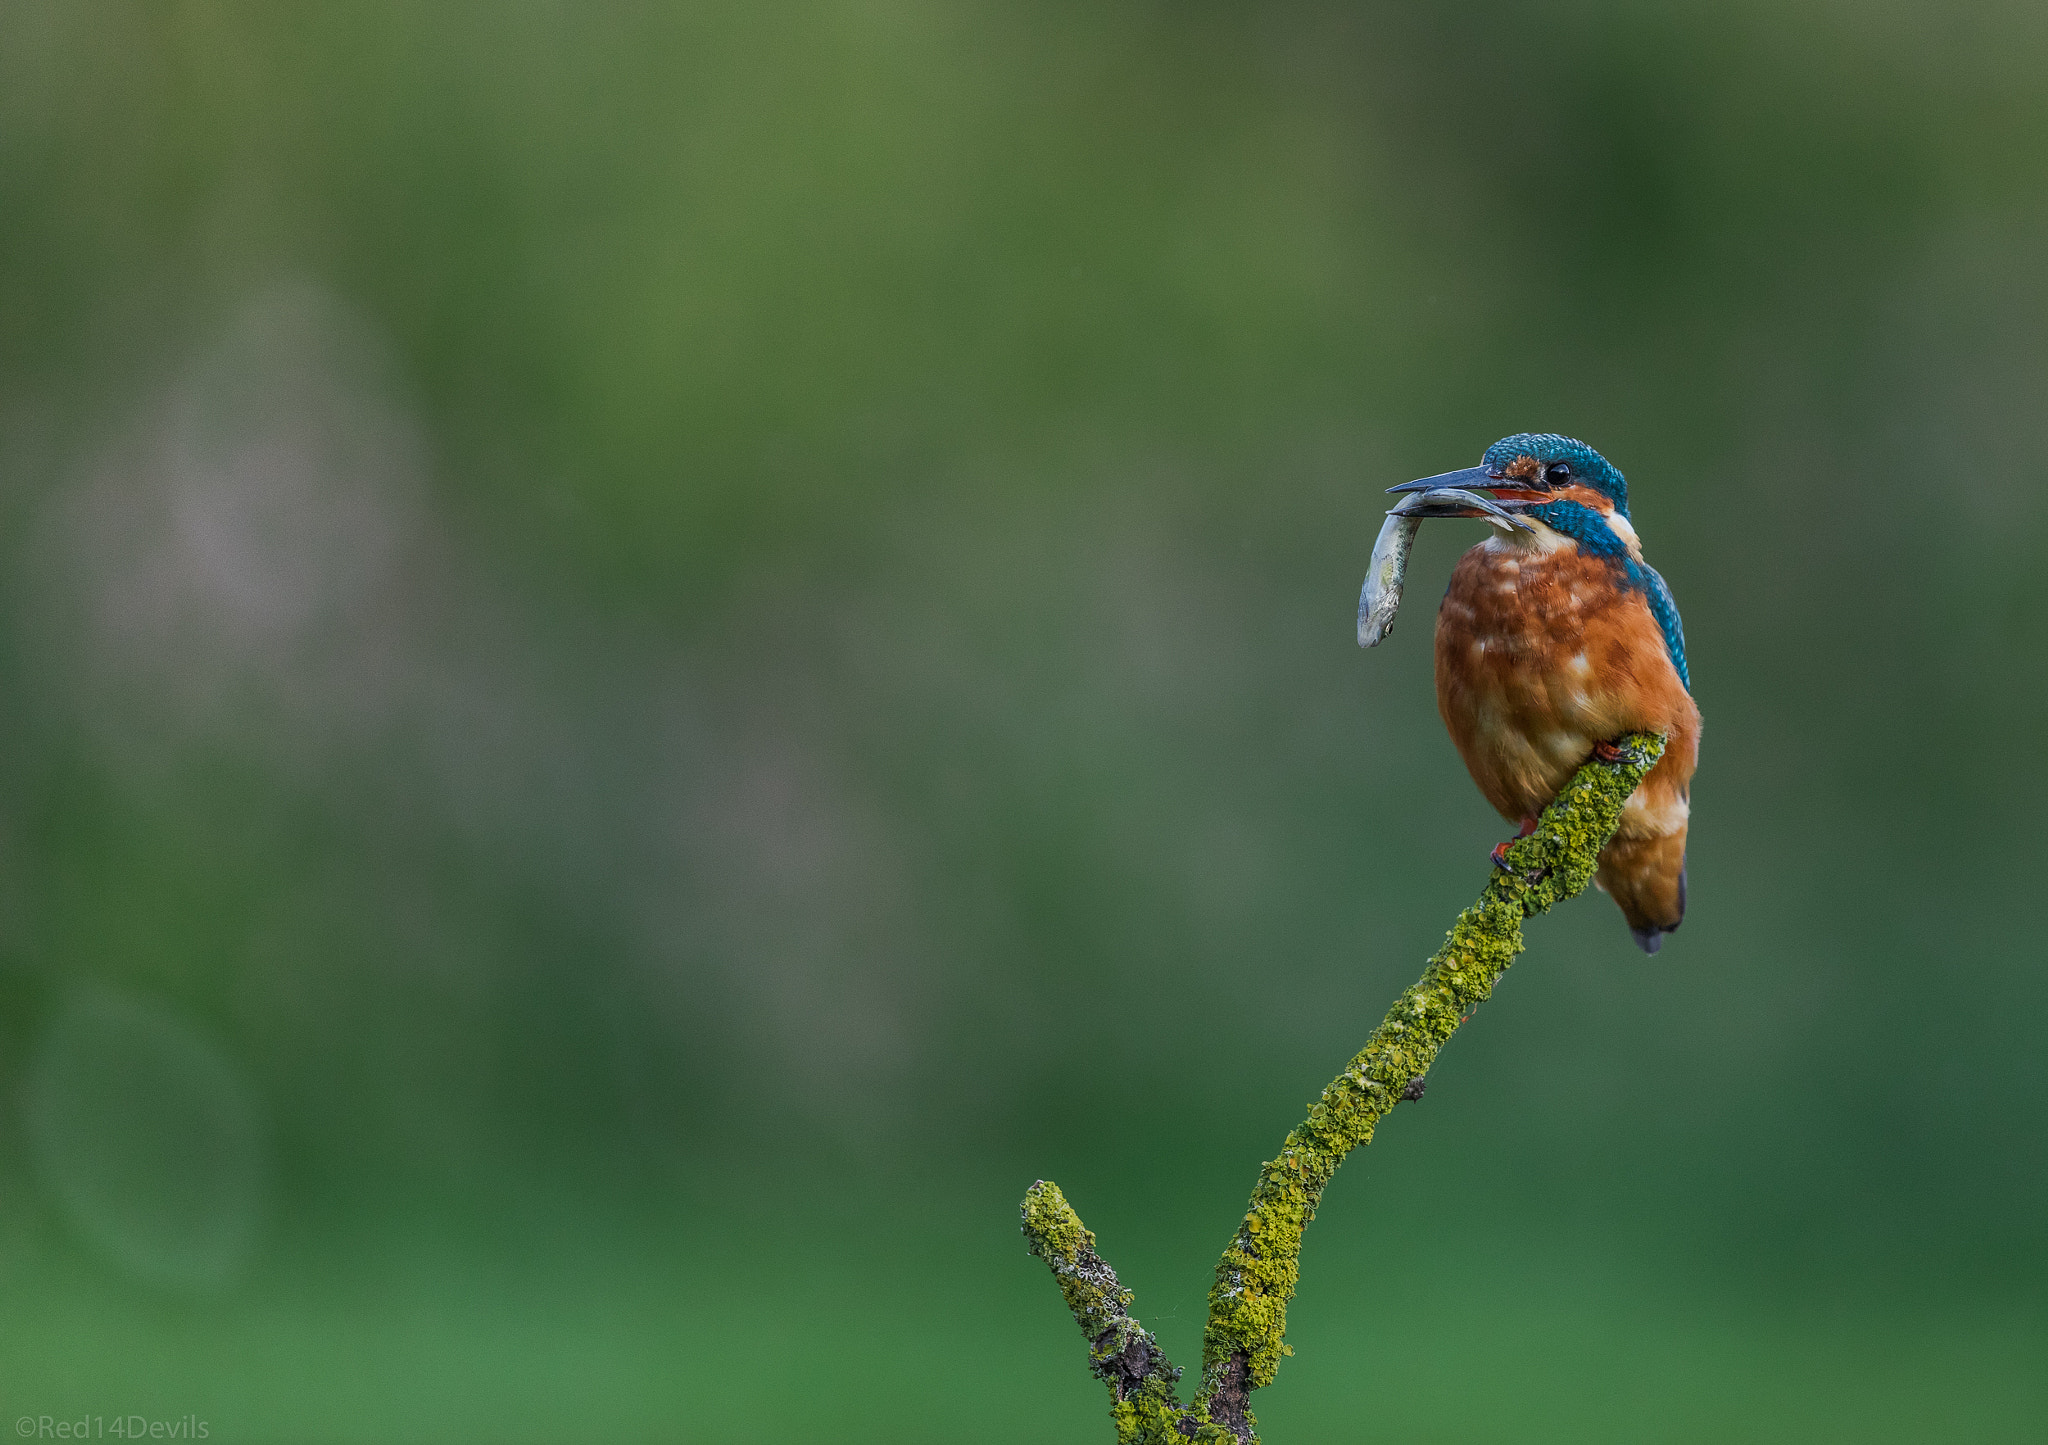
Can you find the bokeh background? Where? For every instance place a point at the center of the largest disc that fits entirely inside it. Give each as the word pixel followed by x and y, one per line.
pixel 653 653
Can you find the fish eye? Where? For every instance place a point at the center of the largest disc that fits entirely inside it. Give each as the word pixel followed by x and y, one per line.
pixel 1557 474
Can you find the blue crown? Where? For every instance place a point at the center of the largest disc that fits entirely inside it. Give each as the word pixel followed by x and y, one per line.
pixel 1587 465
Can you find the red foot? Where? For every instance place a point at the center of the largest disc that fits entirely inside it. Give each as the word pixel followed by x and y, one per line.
pixel 1500 856
pixel 1500 850
pixel 1608 753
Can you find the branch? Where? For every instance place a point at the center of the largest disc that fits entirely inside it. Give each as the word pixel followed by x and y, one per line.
pixel 1121 1352
pixel 1245 1338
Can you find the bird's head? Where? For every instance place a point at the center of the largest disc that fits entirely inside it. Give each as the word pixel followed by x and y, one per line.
pixel 1542 477
pixel 1542 466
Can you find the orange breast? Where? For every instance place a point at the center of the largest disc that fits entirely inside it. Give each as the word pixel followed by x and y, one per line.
pixel 1540 653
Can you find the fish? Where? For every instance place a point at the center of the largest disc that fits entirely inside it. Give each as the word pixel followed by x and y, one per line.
pixel 1380 598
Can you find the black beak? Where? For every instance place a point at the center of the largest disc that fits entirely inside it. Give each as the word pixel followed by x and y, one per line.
pixel 1468 477
pixel 1457 502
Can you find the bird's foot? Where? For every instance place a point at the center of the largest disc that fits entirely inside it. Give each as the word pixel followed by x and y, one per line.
pixel 1500 850
pixel 1609 753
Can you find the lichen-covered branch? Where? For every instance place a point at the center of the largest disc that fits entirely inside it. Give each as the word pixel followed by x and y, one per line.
pixel 1246 1335
pixel 1121 1352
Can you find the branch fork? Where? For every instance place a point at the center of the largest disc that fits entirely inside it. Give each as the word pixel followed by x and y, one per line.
pixel 1256 1277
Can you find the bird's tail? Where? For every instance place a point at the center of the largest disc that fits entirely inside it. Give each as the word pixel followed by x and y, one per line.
pixel 1646 876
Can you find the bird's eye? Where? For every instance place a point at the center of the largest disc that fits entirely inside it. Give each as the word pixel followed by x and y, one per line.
pixel 1557 474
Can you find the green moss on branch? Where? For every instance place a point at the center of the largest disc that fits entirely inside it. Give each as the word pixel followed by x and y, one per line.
pixel 1246 1335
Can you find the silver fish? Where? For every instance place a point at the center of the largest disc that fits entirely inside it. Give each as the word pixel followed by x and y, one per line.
pixel 1380 598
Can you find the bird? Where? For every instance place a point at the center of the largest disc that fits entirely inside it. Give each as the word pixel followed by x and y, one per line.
pixel 1554 639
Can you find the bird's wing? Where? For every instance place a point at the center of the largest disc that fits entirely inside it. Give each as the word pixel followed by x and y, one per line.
pixel 1664 608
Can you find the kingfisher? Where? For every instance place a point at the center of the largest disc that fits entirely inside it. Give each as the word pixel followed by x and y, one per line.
pixel 1554 639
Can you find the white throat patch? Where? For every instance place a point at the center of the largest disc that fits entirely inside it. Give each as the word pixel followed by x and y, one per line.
pixel 1541 542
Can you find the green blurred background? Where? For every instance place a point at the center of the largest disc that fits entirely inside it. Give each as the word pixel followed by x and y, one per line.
pixel 653 653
